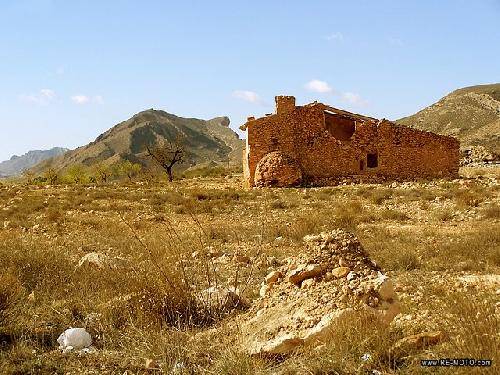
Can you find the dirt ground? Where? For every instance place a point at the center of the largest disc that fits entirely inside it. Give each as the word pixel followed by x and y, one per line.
pixel 159 245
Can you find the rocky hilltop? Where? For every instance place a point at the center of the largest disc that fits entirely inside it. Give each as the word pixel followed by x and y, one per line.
pixel 16 164
pixel 471 114
pixel 205 141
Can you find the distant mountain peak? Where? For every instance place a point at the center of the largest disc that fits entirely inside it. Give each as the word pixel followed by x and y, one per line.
pixel 471 114
pixel 206 141
pixel 16 164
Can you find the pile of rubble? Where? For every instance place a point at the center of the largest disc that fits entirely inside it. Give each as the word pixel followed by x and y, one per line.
pixel 478 155
pixel 277 169
pixel 301 302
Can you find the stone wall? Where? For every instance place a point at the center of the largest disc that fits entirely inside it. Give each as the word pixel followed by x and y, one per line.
pixel 376 148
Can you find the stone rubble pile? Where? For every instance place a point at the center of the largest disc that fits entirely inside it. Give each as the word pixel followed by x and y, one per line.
pixel 302 301
pixel 277 169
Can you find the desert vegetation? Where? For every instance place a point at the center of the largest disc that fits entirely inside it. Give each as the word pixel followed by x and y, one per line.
pixel 129 259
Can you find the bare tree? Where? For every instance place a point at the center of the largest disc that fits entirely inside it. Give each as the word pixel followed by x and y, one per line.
pixel 167 154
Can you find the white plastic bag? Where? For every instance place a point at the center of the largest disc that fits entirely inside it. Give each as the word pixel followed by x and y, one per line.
pixel 74 338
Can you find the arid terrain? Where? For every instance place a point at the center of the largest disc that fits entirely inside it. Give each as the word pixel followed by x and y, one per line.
pixel 156 246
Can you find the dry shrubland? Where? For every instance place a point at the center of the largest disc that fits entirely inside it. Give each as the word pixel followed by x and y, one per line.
pixel 439 241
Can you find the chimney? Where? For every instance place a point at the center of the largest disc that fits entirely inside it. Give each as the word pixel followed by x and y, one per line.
pixel 284 104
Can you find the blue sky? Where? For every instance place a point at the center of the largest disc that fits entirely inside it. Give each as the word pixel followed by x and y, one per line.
pixel 69 70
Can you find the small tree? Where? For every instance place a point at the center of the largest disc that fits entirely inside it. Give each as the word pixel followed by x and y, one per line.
pixel 167 154
pixel 29 176
pixel 76 173
pixel 129 169
pixel 51 175
pixel 102 172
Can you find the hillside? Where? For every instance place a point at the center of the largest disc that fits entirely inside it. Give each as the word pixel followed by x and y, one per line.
pixel 205 142
pixel 16 164
pixel 472 114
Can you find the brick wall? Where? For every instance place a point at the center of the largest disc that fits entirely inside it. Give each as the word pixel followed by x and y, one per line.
pixel 301 132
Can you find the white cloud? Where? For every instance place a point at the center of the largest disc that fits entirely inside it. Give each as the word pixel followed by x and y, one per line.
pixel 43 97
pixel 323 87
pixel 80 99
pixel 318 86
pixel 48 94
pixel 395 42
pixel 336 36
pixel 353 98
pixel 248 96
pixel 85 99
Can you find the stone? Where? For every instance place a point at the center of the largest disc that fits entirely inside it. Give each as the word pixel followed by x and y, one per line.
pixel 340 272
pixel 307 283
pixel 287 317
pixel 95 259
pixel 264 289
pixel 212 253
pixel 151 364
pixel 31 297
pixel 351 275
pixel 242 259
pixel 343 263
pixel 273 277
pixel 413 343
pixel 305 271
pixel 385 289
pixel 276 169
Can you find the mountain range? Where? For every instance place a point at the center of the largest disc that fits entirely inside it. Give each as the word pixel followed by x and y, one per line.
pixel 206 142
pixel 17 164
pixel 471 114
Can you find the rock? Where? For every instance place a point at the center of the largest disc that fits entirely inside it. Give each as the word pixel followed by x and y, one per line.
pixel 98 260
pixel 151 364
pixel 311 237
pixel 305 271
pixel 242 259
pixel 351 276
pixel 273 277
pixel 286 317
pixel 477 155
pixel 31 297
pixel 278 170
pixel 222 299
pixel 340 272
pixel 343 263
pixel 307 283
pixel 411 344
pixel 264 289
pixel 385 288
pixel 214 253
pixel 74 338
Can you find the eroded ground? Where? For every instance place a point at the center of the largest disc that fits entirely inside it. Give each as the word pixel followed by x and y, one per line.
pixel 160 244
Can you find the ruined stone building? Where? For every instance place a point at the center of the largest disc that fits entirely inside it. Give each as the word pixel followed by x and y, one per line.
pixel 316 143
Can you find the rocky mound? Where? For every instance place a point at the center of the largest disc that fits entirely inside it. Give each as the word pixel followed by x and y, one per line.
pixel 278 170
pixel 478 155
pixel 301 302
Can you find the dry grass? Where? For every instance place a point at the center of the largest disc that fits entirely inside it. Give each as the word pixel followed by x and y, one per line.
pixel 147 307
